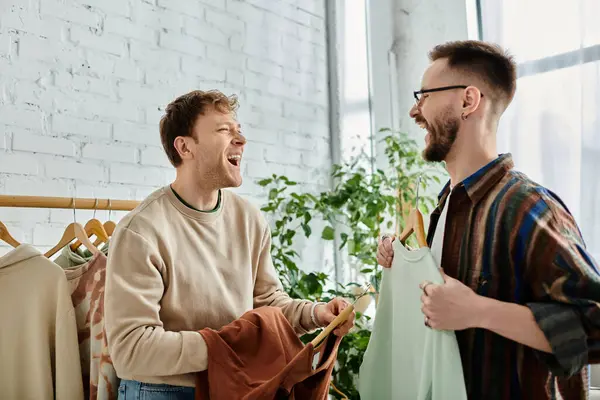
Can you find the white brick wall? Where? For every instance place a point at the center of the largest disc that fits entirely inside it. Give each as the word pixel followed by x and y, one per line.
pixel 83 84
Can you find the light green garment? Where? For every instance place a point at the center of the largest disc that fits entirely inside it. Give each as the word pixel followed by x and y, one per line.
pixel 404 358
pixel 72 259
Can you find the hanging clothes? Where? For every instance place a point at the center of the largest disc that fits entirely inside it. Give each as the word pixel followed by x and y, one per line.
pixel 39 352
pixel 69 259
pixel 259 356
pixel 86 274
pixel 404 358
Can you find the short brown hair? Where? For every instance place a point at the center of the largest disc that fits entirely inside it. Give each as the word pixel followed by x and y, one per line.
pixel 182 113
pixel 488 61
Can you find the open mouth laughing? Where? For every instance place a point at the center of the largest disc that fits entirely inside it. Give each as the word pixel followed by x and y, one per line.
pixel 235 159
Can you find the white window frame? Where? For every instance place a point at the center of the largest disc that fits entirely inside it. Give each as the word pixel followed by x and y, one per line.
pixel 338 108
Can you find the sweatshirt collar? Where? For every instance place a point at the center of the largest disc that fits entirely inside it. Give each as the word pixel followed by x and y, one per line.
pixel 193 213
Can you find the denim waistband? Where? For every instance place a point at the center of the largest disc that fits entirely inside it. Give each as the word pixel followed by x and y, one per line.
pixel 135 390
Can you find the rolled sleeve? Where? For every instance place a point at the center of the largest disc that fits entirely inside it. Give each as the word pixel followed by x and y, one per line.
pixel 564 286
pixel 564 330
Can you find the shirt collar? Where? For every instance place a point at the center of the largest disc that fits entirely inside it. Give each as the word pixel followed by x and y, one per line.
pixel 479 183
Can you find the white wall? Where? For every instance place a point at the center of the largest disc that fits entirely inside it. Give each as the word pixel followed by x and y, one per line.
pixel 419 26
pixel 409 29
pixel 83 85
pixel 405 30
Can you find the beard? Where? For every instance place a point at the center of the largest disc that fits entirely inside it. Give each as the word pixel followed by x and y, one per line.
pixel 442 135
pixel 215 173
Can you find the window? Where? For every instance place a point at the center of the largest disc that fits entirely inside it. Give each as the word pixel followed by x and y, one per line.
pixel 351 93
pixel 553 127
pixel 473 16
pixel 355 111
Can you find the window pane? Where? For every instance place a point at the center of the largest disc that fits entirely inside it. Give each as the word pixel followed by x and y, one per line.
pixel 590 158
pixel 543 130
pixel 552 128
pixel 534 29
pixel 590 25
pixel 356 127
pixel 356 70
pixel 472 20
pixel 355 109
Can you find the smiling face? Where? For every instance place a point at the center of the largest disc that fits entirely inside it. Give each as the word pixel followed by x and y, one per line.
pixel 215 150
pixel 202 139
pixel 460 116
pixel 438 112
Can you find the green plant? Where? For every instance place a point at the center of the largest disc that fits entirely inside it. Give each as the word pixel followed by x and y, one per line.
pixel 360 201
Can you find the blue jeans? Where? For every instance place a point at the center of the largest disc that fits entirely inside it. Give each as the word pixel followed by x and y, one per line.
pixel 134 390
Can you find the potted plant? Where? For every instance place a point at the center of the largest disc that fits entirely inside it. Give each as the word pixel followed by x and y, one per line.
pixel 361 201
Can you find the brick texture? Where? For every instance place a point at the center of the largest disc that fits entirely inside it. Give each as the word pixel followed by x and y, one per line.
pixel 84 84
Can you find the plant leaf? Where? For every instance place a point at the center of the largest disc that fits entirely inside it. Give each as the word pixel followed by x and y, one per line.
pixel 328 233
pixel 307 229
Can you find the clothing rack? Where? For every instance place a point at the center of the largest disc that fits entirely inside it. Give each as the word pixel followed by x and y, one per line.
pixel 80 371
pixel 67 202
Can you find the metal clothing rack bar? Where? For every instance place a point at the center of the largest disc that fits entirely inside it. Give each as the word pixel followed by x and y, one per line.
pixel 67 202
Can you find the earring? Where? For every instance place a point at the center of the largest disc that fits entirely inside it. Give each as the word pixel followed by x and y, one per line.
pixel 463 117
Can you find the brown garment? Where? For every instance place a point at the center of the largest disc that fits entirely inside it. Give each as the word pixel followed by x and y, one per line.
pixel 259 356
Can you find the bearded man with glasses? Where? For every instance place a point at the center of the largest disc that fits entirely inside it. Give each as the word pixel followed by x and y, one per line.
pixel 521 291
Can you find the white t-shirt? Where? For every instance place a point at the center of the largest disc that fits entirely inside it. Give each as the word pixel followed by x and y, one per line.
pixel 438 237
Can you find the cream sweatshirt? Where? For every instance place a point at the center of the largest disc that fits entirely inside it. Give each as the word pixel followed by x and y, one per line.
pixel 39 351
pixel 173 270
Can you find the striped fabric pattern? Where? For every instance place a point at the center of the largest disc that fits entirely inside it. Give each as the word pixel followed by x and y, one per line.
pixel 508 238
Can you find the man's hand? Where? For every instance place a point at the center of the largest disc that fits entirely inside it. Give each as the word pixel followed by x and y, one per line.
pixel 450 306
pixel 385 251
pixel 454 306
pixel 325 313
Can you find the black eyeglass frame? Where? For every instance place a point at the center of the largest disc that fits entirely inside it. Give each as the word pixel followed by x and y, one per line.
pixel 439 89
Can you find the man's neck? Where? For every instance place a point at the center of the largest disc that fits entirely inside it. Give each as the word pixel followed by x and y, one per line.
pixel 467 158
pixel 203 199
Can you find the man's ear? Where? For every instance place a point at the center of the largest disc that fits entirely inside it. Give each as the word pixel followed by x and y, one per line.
pixel 183 146
pixel 471 99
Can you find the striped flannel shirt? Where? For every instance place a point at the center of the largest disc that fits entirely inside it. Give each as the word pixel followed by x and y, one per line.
pixel 510 239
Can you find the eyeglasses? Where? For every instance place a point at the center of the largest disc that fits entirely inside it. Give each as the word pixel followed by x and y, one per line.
pixel 418 93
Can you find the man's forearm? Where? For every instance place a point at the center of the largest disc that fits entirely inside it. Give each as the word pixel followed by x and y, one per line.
pixel 513 321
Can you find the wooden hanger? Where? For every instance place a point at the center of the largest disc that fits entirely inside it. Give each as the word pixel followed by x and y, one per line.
pixel 109 225
pixel 73 231
pixel 93 227
pixel 414 223
pixel 340 319
pixel 7 237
